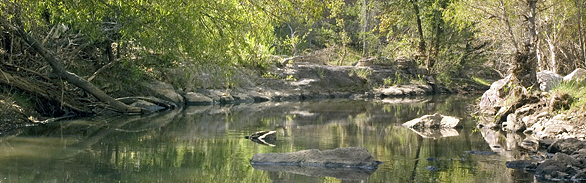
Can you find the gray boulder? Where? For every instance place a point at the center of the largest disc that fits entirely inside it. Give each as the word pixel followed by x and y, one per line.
pixel 579 74
pixel 435 121
pixel 513 124
pixel 221 96
pixel 193 98
pixel 365 62
pixel 567 146
pixel 492 98
pixel 405 90
pixel 348 157
pixel 166 91
pixel 547 80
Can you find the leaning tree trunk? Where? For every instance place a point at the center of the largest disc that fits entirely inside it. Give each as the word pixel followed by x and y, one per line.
pixel 71 77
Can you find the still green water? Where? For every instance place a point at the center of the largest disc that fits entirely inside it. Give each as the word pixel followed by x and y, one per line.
pixel 206 144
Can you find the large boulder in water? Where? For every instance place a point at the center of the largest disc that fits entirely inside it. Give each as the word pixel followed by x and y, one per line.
pixel 435 121
pixel 348 157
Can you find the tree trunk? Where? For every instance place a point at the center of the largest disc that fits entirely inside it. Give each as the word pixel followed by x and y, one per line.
pixel 579 6
pixel 73 78
pixel 364 28
pixel 421 47
pixel 509 28
pixel 554 66
pixel 438 32
pixel 525 61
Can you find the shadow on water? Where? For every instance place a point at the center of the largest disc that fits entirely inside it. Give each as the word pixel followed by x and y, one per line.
pixel 206 144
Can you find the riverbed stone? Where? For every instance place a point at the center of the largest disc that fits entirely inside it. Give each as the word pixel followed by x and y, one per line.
pixel 349 157
pixel 567 146
pixel 522 164
pixel 166 91
pixel 513 124
pixel 435 121
pixel 192 98
pixel 243 98
pixel 221 96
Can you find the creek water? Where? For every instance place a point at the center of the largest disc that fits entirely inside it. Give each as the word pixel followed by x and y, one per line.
pixel 207 144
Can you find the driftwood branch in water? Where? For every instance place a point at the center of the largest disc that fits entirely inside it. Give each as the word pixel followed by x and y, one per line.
pixel 71 77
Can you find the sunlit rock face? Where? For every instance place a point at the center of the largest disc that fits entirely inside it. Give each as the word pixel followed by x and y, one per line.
pixel 579 74
pixel 547 80
pixel 491 99
pixel 435 121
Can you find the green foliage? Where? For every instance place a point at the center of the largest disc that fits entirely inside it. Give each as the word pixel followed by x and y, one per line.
pixel 276 76
pixel 445 78
pixel 360 72
pixel 399 79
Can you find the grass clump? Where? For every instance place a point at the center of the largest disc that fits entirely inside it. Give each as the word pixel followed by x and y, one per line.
pixel 575 90
pixel 360 72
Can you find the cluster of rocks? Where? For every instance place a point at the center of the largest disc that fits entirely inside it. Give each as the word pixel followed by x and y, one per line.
pixel 557 137
pixel 308 81
pixel 512 108
pixel 564 161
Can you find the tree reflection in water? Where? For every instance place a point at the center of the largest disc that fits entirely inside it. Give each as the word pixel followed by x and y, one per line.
pixel 206 144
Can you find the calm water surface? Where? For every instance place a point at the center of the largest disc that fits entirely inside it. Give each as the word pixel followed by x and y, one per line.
pixel 206 144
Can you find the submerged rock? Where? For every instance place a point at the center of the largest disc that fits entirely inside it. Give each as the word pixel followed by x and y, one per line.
pixel 339 173
pixel 348 157
pixel 431 168
pixel 567 146
pixel 522 164
pixel 435 121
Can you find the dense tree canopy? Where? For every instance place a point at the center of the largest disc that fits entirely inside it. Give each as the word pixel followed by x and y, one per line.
pixel 444 36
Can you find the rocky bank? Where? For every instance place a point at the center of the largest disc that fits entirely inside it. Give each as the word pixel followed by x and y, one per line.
pixel 554 139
